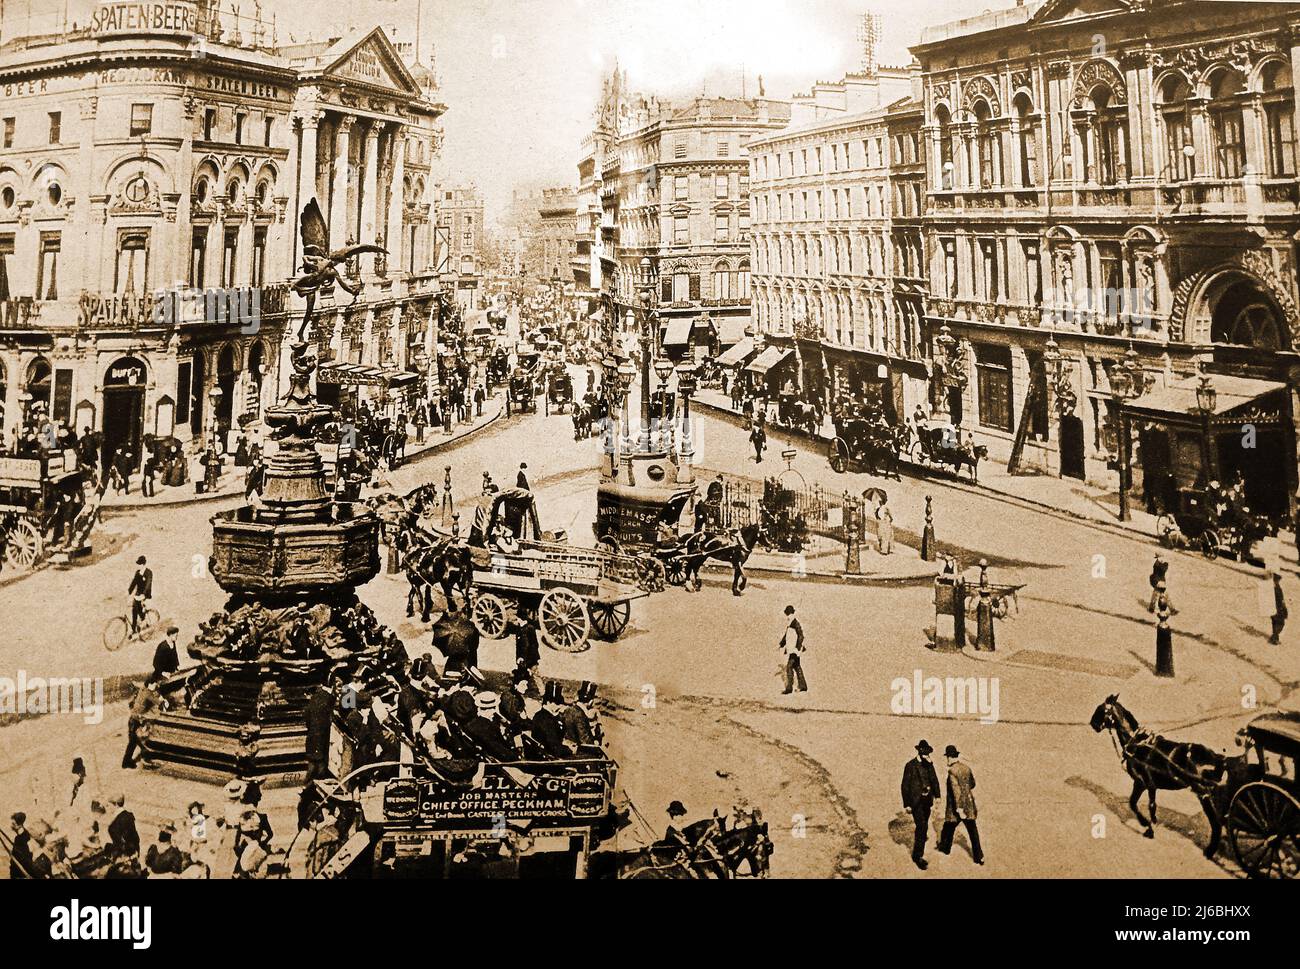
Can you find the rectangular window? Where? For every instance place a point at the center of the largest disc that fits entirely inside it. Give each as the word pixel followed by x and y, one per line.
pixel 239 129
pixel 141 119
pixel 1229 142
pixel 209 122
pixel 259 256
pixel 47 269
pixel 744 186
pixel 679 150
pixel 131 273
pixel 693 286
pixel 9 132
pixel 1033 274
pixel 56 127
pixel 989 270
pixel 230 258
pixel 993 369
pixel 721 228
pixel 721 186
pixel 1108 255
pixel 681 287
pixel 724 149
pixel 183 371
pixel 681 188
pixel 744 225
pixel 198 259
pixel 61 410
pixel 950 266
pixel 268 128
pixel 6 258
pixel 1280 121
pixel 721 284
pixel 681 230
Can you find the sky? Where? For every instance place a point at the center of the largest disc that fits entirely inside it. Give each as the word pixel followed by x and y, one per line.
pixel 520 78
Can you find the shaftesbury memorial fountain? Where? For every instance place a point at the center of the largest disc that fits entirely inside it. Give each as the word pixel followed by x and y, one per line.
pixel 291 566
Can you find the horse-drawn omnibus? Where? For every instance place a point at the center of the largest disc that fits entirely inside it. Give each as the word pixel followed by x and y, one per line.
pixel 37 494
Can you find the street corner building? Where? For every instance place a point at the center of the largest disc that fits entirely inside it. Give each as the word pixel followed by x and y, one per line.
pixel 1110 230
pixel 153 164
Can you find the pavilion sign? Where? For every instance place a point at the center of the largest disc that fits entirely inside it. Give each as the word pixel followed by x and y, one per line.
pixel 127 18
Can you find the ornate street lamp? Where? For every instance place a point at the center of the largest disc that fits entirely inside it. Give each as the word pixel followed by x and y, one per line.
pixel 626 372
pixel 1207 399
pixel 686 381
pixel 663 368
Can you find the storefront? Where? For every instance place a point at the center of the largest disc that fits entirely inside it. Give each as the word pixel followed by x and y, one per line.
pixel 123 408
pixel 863 380
pixel 771 370
pixel 346 385
pixel 1247 430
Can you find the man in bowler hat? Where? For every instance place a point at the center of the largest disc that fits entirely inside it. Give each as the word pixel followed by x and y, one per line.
pixel 960 806
pixel 920 791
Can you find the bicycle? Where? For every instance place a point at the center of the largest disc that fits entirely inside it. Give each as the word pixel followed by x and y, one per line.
pixel 117 631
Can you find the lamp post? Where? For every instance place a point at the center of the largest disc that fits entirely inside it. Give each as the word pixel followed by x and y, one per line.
pixel 214 398
pixel 686 381
pixel 663 368
pixel 648 319
pixel 626 372
pixel 1206 400
pixel 1128 380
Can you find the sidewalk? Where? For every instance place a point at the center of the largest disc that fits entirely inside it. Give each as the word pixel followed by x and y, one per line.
pixel 1065 497
pixel 231 481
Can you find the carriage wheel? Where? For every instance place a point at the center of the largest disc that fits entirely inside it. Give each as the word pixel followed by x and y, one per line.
pixel 917 453
pixel 675 568
pixel 1165 529
pixel 24 546
pixel 839 455
pixel 650 574
pixel 1265 823
pixel 489 615
pixel 563 618
pixel 609 619
pixel 1210 544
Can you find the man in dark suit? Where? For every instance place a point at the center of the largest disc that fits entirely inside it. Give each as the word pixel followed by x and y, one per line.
pixel 165 660
pixel 122 833
pixel 546 728
pixel 961 806
pixel 485 732
pixel 920 791
pixel 528 654
pixel 522 480
pixel 141 591
pixel 319 715
pixel 20 855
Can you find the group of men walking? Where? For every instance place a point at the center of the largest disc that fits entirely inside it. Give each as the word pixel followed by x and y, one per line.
pixel 921 790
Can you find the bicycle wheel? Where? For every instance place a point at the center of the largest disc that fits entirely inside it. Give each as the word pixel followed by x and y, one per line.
pixel 115 633
pixel 150 623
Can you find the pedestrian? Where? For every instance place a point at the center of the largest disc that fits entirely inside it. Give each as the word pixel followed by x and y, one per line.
pixel 20 850
pixel 960 805
pixel 163 857
pixel 521 481
pixel 479 397
pixel 255 479
pixel 141 591
pixel 165 661
pixel 1279 610
pixel 148 477
pixel 1159 573
pixel 122 832
pixel 758 438
pixel 1164 634
pixel 528 656
pixel 792 648
pixel 885 526
pixel 920 790
pixel 147 701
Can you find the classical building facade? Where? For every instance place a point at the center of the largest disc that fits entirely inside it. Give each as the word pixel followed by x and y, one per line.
pixel 835 280
pixel 668 182
pixel 1107 176
pixel 557 212
pixel 461 242
pixel 151 176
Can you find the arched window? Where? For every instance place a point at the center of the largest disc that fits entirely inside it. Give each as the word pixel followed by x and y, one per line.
pixel 1180 155
pixel 1227 90
pixel 1112 137
pixel 944 121
pixel 741 289
pixel 986 146
pixel 1279 119
pixel 722 280
pixel 1026 141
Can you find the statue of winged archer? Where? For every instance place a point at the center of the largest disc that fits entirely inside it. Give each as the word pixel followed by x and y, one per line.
pixel 319 265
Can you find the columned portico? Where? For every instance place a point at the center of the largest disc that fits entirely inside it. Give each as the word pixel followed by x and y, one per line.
pixel 338 218
pixel 396 200
pixel 369 191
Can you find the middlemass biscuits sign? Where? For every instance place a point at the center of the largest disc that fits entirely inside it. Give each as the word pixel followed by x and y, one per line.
pixel 113 18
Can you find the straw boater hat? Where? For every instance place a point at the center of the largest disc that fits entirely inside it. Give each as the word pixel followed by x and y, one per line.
pixel 487 703
pixel 236 789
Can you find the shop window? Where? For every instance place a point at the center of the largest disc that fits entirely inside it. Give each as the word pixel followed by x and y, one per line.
pixel 198 257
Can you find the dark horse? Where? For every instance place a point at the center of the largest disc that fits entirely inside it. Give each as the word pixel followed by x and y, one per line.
pixel 734 547
pixel 1156 763
pixel 720 856
pixel 939 446
pixel 442 562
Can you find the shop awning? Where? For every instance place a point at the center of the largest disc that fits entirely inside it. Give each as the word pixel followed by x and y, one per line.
pixel 677 333
pixel 361 375
pixel 732 330
pixel 736 353
pixel 598 316
pixel 1237 400
pixel 769 358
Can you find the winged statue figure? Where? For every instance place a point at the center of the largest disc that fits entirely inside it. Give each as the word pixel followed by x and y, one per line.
pixel 319 264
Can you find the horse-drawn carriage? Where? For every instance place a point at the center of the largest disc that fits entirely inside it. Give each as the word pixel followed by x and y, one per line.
pixel 943 445
pixel 1211 526
pixel 560 392
pixel 872 443
pixel 521 396
pixel 497 366
pixel 41 495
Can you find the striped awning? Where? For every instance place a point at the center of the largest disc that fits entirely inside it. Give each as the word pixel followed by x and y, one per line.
pixel 731 330
pixel 677 333
pixel 769 358
pixel 362 375
pixel 736 353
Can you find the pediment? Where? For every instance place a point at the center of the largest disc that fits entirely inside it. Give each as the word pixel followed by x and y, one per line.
pixel 1064 11
pixel 371 60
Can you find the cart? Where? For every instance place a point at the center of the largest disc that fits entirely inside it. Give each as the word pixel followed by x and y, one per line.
pixel 560 393
pixel 36 492
pixel 1196 524
pixel 1263 817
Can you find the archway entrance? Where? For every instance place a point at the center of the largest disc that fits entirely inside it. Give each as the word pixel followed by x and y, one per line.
pixel 1245 314
pixel 1072 451
pixel 124 386
pixel 38 383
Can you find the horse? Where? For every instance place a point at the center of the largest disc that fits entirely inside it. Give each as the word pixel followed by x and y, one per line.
pixel 444 563
pixel 734 547
pixel 748 842
pixel 941 448
pixel 1156 763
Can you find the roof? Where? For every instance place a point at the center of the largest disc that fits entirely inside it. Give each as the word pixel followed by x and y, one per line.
pixel 989 20
pixel 1180 398
pixel 1279 732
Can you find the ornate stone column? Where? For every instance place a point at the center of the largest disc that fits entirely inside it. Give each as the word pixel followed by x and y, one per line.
pixel 309 125
pixel 396 200
pixel 338 217
pixel 369 191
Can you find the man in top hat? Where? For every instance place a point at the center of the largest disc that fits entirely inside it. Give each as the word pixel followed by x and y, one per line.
pixel 141 591
pixel 122 832
pixel 580 720
pixel 920 791
pixel 165 660
pixel 485 730
pixel 163 857
pixel 546 727
pixel 319 714
pixel 522 480
pixel 960 806
pixel 514 710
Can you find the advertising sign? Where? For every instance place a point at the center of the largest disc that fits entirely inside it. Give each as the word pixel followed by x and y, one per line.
pixel 504 794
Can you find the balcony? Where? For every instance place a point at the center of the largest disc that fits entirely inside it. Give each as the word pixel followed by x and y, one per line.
pixel 1245 200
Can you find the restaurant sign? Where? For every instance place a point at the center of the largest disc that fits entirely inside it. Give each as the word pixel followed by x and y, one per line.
pixel 504 794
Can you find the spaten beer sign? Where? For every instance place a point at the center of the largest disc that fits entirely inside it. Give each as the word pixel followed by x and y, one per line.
pixel 119 18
